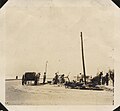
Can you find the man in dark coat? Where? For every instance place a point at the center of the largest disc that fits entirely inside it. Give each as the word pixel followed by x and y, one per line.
pixel 56 80
pixel 23 79
pixel 44 77
pixel 107 79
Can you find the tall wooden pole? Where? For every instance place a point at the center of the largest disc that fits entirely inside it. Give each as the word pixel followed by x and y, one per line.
pixel 46 66
pixel 83 61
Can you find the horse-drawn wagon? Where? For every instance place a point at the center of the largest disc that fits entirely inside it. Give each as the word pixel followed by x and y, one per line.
pixel 30 76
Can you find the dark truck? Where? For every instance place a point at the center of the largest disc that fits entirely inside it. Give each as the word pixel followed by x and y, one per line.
pixel 30 76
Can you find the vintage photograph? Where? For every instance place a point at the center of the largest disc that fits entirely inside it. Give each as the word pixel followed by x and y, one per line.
pixel 59 53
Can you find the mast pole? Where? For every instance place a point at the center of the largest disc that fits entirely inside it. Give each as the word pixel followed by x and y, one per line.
pixel 46 66
pixel 83 61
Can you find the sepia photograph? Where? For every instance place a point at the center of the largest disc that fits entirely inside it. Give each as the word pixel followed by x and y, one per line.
pixel 59 52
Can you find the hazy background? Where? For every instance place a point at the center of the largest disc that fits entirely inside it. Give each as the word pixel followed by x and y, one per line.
pixel 36 32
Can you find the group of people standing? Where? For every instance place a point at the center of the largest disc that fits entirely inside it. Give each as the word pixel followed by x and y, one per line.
pixel 100 79
pixel 59 79
pixel 105 79
pixel 44 77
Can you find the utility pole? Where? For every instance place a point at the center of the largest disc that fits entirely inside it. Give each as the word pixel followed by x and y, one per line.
pixel 83 61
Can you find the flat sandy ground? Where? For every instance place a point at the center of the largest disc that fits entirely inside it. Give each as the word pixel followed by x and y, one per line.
pixel 16 94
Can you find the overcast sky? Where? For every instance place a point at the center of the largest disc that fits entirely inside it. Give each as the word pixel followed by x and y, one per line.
pixel 36 32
